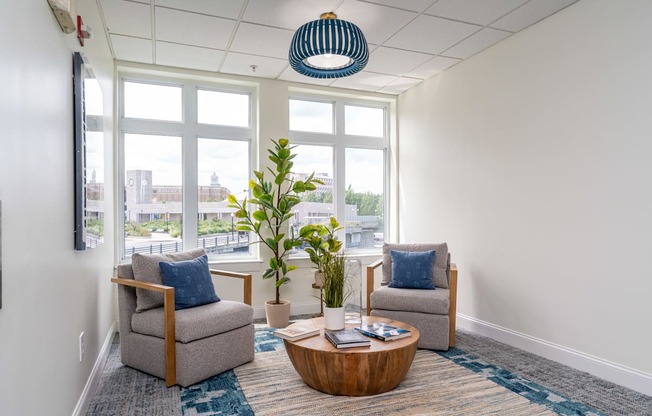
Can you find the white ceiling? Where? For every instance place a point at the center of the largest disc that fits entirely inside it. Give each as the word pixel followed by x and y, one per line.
pixel 409 40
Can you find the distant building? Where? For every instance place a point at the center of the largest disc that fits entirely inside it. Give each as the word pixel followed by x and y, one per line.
pixel 145 201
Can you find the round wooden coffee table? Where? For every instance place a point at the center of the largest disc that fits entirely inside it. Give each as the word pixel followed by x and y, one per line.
pixel 360 371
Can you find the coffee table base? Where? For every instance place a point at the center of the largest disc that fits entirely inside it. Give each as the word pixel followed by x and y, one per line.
pixel 362 371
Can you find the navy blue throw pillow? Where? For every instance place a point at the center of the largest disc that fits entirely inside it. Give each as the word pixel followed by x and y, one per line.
pixel 412 269
pixel 191 280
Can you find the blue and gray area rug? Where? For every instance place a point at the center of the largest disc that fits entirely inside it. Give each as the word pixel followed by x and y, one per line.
pixel 223 395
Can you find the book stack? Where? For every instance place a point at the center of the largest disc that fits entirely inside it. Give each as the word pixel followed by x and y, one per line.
pixel 347 338
pixel 297 331
pixel 383 331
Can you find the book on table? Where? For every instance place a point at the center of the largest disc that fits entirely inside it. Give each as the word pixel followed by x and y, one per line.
pixel 297 331
pixel 383 332
pixel 347 338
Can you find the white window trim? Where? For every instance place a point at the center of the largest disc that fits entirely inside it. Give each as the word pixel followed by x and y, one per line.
pixel 189 131
pixel 340 141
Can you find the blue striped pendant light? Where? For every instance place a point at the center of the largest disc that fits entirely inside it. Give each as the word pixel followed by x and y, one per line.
pixel 328 48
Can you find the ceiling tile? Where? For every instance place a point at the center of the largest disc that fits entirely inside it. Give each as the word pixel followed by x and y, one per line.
pixel 403 36
pixel 193 29
pixel 127 18
pixel 367 16
pixel 400 85
pixel 367 81
pixel 288 14
pixel 229 9
pixel 184 56
pixel 477 42
pixel 432 67
pixel 262 40
pixel 530 13
pixel 126 48
pixel 395 61
pixel 413 5
pixel 238 63
pixel 481 12
pixel 293 76
pixel 431 34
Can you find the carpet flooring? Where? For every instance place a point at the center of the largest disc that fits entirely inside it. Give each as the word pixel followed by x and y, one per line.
pixel 594 392
pixel 125 391
pixel 434 385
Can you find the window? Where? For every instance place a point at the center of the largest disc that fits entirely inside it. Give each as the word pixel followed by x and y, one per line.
pixel 155 102
pixel 352 163
pixel 364 198
pixel 93 112
pixel 364 121
pixel 222 169
pixel 316 206
pixel 184 149
pixel 222 108
pixel 311 116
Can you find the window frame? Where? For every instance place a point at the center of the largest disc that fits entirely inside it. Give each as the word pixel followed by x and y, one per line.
pixel 190 130
pixel 340 141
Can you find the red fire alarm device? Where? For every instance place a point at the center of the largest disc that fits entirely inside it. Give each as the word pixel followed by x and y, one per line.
pixel 80 35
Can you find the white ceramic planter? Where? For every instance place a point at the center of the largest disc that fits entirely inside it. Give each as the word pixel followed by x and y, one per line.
pixel 334 318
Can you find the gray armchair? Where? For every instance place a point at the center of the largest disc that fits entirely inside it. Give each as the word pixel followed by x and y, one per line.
pixel 432 312
pixel 184 346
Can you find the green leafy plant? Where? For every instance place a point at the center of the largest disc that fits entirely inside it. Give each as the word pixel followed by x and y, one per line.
pixel 336 289
pixel 273 202
pixel 137 230
pixel 322 242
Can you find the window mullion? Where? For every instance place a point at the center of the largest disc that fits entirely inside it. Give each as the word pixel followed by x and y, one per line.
pixel 190 199
pixel 339 191
pixel 162 128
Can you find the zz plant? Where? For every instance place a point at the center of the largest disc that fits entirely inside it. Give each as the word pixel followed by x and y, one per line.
pixel 272 203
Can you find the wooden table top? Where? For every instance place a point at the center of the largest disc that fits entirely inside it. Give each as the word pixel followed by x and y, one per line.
pixel 320 343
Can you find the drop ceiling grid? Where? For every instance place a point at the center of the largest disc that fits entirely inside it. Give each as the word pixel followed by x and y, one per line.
pixel 409 40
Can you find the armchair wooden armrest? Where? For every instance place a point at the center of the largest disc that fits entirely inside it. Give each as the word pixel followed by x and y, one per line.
pixel 452 306
pixel 168 323
pixel 246 277
pixel 370 281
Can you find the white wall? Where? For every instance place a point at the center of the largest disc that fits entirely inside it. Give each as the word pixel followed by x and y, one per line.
pixel 537 157
pixel 50 292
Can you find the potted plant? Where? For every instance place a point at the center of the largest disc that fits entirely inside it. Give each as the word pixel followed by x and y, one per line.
pixel 336 291
pixel 273 203
pixel 322 245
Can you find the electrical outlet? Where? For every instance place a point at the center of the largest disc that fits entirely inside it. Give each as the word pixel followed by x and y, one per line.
pixel 82 347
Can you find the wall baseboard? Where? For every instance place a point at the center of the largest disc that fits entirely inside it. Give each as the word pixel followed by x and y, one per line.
pixel 91 384
pixel 607 370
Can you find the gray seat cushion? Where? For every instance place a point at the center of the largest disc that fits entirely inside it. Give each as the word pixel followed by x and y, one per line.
pixel 434 302
pixel 195 323
pixel 439 267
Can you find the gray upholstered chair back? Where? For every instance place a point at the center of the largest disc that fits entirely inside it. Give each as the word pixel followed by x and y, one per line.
pixel 441 267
